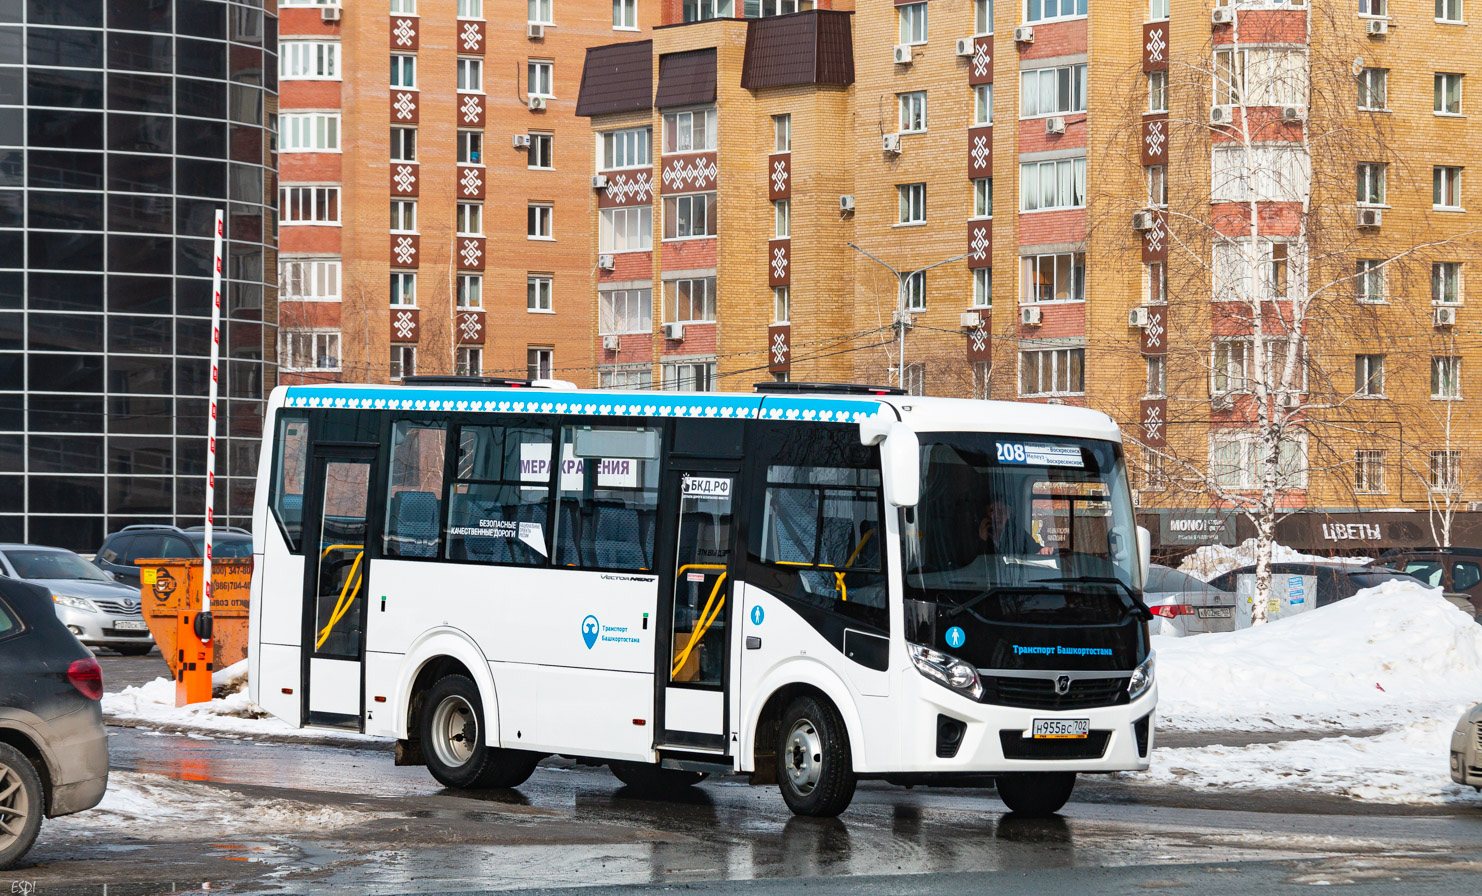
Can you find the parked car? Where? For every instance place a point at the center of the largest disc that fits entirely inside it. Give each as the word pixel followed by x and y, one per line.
pixel 1466 749
pixel 122 548
pixel 53 748
pixel 100 611
pixel 1456 571
pixel 1334 581
pixel 1183 605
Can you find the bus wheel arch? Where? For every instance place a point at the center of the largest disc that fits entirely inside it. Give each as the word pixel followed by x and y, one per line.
pixel 761 745
pixel 457 752
pixel 433 656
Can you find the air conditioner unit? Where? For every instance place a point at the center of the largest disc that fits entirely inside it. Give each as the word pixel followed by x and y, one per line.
pixel 1222 15
pixel 965 46
pixel 610 343
pixel 902 319
pixel 674 332
pixel 599 181
pixel 1370 217
pixel 1288 400
pixel 1142 221
pixel 1376 27
pixel 1445 317
pixel 1029 316
pixel 1024 34
pixel 846 203
pixel 891 143
pixel 330 14
pixel 1293 113
pixel 1137 317
pixel 521 141
pixel 534 30
pixel 903 54
pixel 537 104
pixel 1222 402
pixel 1055 124
pixel 1221 114
pixel 969 320
pixel 606 262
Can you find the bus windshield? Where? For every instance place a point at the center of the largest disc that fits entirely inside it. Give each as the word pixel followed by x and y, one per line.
pixel 1022 529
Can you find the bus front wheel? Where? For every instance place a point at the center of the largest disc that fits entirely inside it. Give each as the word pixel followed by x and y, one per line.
pixel 1035 794
pixel 452 729
pixel 814 767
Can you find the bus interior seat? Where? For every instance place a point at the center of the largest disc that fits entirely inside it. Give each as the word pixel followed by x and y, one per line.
pixel 619 538
pixel 794 524
pixel 415 523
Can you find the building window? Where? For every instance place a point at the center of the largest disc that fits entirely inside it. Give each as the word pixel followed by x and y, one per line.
pixel 1157 186
pixel 983 105
pixel 983 197
pixel 1044 186
pixel 1234 459
pixel 627 148
pixel 1155 283
pixel 1157 10
pixel 913 291
pixel 470 291
pixel 763 8
pixel 308 60
pixel 1368 471
pixel 309 205
pixel 982 17
pixel 541 77
pixel 1445 471
pixel 403 71
pixel 311 350
pixel 625 229
pixel 625 15
pixel 403 216
pixel 1371 177
pixel 1369 277
pixel 913 379
pixel 1278 271
pixel 1448 94
pixel 1446 188
pixel 1230 366
pixel 694 376
pixel 1445 377
pixel 309 132
pixel 538 293
pixel 1448 11
pixel 403 361
pixel 1260 77
pixel 702 10
pixel 913 23
pixel 538 221
pixel 982 287
pixel 1265 173
pixel 1052 91
pixel 1052 278
pixel 1368 376
pixel 1156 383
pixel 399 7
pixel 690 301
pixel 627 377
pixel 782 219
pixel 912 203
pixel 470 218
pixel 540 12
pixel 470 9
pixel 403 144
pixel 625 311
pixel 403 288
pixel 913 112
pixel 689 131
pixel 309 279
pixel 471 147
pixel 470 75
pixel 1373 89
pixel 470 361
pixel 1059 371
pixel 1047 10
pixel 542 151
pixel 540 363
pixel 1446 282
pixel 1157 92
pixel 781 304
pixel 689 216
pixel 1374 8
pixel 782 133
pixel 1154 471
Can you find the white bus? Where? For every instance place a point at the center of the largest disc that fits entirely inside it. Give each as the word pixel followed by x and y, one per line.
pixel 810 585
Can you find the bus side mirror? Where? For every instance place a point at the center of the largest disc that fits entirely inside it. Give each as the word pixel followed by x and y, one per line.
pixel 1144 552
pixel 900 459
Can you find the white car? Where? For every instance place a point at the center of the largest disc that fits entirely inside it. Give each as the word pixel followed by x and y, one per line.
pixel 99 610
pixel 1183 605
pixel 1466 749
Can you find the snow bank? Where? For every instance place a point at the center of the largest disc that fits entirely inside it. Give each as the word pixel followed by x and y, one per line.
pixel 1211 560
pixel 1389 656
pixel 230 713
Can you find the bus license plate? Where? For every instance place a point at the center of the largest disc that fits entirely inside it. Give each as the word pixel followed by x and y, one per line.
pixel 1215 612
pixel 1061 728
pixel 131 625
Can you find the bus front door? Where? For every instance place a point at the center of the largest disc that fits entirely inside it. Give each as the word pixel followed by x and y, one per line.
pixel 695 667
pixel 335 585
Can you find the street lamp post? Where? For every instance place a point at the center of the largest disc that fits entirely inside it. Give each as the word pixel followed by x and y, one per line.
pixel 901 317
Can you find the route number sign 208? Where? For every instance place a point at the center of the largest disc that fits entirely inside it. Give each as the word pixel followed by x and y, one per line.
pixel 1010 452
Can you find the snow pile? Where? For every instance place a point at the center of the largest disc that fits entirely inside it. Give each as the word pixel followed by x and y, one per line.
pixel 1391 655
pixel 1211 560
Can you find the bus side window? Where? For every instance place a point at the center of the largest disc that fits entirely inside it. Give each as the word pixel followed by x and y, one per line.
pixel 414 503
pixel 498 504
pixel 289 468
pixel 609 498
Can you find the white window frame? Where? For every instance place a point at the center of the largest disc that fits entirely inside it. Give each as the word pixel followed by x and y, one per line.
pixel 982 199
pixel 1371 182
pixel 982 17
pixel 683 210
pixel 631 377
pixel 466 151
pixel 782 219
pixel 1373 9
pixel 912 200
pixel 1261 76
pixel 399 7
pixel 1049 361
pixel 781 304
pixel 707 301
pixel 309 60
pixel 324 345
pixel 1447 84
pixel 1052 185
pixel 1034 10
pixel 542 148
pixel 1370 273
pixel 540 12
pixel 1368 376
pixel 403 362
pixel 540 362
pixel 403 213
pixel 912 112
pixel 983 105
pixel 317 196
pixel 624 15
pixel 1368 471
pixel 679 130
pixel 309 132
pixel 470 74
pixel 688 376
pixel 1450 12
pixel 1157 10
pixel 624 311
pixel 1275 172
pixel 1157 177
pixel 782 133
pixel 540 78
pixel 982 288
pixel 1038 271
pixel 470 9
pixel 1155 376
pixel 469 360
pixel 1157 92
pixel 1245 444
pixel 1444 473
pixel 1373 84
pixel 540 221
pixel 469 218
pixel 1447 283
pixel 470 292
pixel 913 23
pixel 539 293
pixel 400 144
pixel 705 10
pixel 1446 373
pixel 1446 188
pixel 403 289
pixel 625 148
pixel 1059 90
pixel 402 65
pixel 913 291
pixel 1155 283
pixel 615 230
pixel 309 279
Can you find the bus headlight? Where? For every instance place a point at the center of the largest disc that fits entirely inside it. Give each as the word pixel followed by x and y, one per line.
pixel 1142 679
pixel 948 671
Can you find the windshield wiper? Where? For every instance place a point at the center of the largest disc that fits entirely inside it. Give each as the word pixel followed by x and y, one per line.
pixel 1137 602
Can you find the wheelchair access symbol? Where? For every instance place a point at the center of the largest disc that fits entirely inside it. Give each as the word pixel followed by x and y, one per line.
pixel 589 629
pixel 956 637
pixel 757 615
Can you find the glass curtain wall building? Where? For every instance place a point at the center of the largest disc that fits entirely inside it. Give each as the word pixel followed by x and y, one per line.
pixel 123 125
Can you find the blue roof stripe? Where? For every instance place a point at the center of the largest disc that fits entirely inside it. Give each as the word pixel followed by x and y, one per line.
pixel 600 404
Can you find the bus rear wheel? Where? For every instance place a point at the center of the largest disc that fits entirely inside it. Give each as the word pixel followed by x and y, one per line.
pixel 815 769
pixel 1035 794
pixel 651 780
pixel 452 731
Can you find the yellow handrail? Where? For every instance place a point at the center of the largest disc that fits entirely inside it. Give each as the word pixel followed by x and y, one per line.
pixel 707 616
pixel 342 606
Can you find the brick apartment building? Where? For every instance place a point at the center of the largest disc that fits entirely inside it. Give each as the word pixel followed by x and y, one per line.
pixel 783 192
pixel 435 220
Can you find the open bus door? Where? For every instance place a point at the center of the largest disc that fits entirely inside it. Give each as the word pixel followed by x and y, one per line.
pixel 336 533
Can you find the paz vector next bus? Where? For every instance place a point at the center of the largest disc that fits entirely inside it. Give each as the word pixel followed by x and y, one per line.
pixel 811 585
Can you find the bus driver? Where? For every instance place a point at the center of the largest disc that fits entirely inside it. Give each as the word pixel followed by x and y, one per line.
pixel 1000 533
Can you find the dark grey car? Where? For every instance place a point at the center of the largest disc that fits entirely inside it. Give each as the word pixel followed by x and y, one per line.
pixel 53 748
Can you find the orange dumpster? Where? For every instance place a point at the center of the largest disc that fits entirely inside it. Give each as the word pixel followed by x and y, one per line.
pixel 169 586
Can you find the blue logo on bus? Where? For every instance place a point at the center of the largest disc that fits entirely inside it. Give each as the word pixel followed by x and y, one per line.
pixel 956 637
pixel 757 615
pixel 589 629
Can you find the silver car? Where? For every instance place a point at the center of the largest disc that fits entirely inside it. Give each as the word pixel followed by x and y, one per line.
pixel 1466 749
pixel 100 611
pixel 1183 605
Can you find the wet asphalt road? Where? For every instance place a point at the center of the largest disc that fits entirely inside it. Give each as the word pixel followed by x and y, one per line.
pixel 397 831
